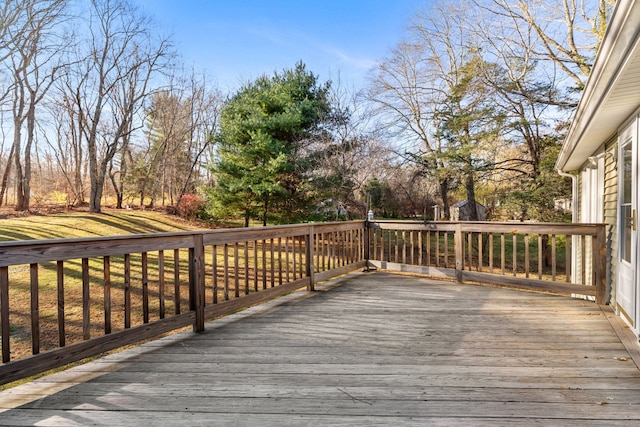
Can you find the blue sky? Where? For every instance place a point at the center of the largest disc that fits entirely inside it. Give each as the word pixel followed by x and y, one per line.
pixel 236 41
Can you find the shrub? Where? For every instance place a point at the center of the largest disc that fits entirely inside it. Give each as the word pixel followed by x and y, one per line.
pixel 190 206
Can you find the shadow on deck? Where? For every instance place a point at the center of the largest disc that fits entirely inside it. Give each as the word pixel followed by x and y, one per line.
pixel 370 348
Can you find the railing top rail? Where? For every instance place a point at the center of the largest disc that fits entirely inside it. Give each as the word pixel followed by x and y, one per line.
pixel 35 251
pixel 492 227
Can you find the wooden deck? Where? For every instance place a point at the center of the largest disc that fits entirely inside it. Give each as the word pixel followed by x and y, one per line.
pixel 371 349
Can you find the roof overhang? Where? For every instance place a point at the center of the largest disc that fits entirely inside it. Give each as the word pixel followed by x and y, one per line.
pixel 612 92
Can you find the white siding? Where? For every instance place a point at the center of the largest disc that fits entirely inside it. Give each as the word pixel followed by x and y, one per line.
pixel 610 206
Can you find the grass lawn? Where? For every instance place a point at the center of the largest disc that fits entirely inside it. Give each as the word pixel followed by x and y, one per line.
pixel 84 224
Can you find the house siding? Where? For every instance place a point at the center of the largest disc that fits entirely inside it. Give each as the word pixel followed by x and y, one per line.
pixel 577 272
pixel 610 217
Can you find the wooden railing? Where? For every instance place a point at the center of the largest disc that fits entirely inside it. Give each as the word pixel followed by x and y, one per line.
pixel 536 256
pixel 68 299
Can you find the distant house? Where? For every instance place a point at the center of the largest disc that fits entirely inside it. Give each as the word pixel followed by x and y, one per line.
pixel 461 211
pixel 601 151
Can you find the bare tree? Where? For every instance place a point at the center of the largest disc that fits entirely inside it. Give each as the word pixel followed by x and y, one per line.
pixel 416 81
pixel 513 65
pixel 33 47
pixel 181 122
pixel 348 155
pixel 110 81
pixel 566 33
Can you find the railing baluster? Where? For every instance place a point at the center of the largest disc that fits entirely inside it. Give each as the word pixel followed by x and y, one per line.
pixel 346 248
pixel 214 265
pixel 286 251
pixel 246 267
pixel 86 301
pixel 479 252
pixel 273 271
pixel 225 266
pixel 515 254
pixel 145 289
pixel 339 249
pixel 553 257
pixel 502 253
pixel 491 253
pixel 437 235
pixel 264 264
pixel 404 246
pixel 61 315
pixel 255 265
pixel 344 239
pixel 540 256
pixel 568 239
pixel 301 252
pixel 446 249
pixel 176 281
pixel 470 249
pixel 161 283
pixel 458 245
pixel 107 294
pixel 395 245
pixel 293 255
pixel 352 247
pixel 127 291
pixel 428 236
pixel 35 309
pixel 309 259
pixel 236 271
pixel 583 256
pixel 526 255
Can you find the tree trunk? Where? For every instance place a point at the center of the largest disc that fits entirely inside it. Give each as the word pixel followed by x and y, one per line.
pixel 5 175
pixel 26 186
pixel 444 194
pixel 117 186
pixel 19 172
pixel 469 186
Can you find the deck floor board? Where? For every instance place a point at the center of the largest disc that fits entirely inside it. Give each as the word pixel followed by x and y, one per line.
pixel 371 349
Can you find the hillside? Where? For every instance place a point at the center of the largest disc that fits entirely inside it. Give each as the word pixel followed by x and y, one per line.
pixel 84 224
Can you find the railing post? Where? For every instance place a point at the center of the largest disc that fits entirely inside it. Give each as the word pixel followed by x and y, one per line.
pixel 309 255
pixel 459 252
pixel 196 281
pixel 599 264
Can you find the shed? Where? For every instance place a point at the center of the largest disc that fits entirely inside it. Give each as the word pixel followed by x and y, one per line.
pixel 461 211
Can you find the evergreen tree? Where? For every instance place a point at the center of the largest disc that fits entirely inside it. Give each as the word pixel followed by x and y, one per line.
pixel 263 162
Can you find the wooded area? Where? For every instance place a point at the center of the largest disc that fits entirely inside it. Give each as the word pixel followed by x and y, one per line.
pixel 97 107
